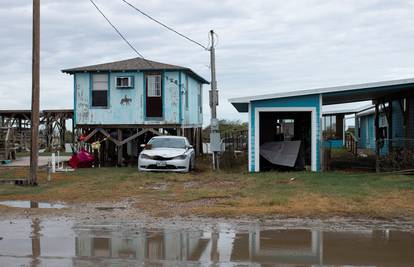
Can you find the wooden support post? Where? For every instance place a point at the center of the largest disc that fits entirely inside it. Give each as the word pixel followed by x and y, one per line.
pixel 47 133
pixel 200 139
pixel 197 141
pixel 377 148
pixel 119 148
pixel 73 133
pixel 34 149
pixel 62 133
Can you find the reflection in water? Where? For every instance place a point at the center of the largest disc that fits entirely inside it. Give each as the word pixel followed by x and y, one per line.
pixel 297 247
pixel 35 236
pixel 31 204
pixel 117 246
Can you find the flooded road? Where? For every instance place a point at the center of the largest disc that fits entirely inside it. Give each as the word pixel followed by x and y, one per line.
pixel 27 204
pixel 44 242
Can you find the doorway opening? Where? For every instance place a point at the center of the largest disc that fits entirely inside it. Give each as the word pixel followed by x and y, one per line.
pixel 285 140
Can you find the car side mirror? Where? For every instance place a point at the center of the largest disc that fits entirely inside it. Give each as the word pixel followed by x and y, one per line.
pixel 189 147
pixel 142 145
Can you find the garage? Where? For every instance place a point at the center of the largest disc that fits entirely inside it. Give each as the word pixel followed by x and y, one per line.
pixel 283 131
pixel 285 140
pixel 278 122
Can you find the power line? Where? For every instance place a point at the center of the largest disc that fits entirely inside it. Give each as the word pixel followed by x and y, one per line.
pixel 120 34
pixel 165 26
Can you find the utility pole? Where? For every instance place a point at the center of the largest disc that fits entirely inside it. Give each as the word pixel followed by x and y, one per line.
pixel 34 149
pixel 215 141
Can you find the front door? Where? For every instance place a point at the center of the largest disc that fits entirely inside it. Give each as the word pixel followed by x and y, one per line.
pixel 153 90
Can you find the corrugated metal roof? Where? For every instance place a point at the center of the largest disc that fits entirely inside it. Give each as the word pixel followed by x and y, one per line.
pixel 134 64
pixel 321 90
pixel 335 95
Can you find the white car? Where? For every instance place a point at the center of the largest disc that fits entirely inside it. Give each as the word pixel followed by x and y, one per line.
pixel 167 153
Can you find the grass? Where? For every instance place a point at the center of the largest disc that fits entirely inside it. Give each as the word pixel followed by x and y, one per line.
pixel 228 193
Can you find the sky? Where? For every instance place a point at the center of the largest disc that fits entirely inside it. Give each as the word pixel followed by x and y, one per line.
pixel 264 46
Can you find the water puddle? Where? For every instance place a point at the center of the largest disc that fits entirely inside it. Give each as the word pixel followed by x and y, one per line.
pixel 65 243
pixel 26 204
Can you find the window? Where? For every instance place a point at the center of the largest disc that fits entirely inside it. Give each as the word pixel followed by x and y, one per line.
pixel 99 90
pixel 124 82
pixel 154 85
pixel 186 92
pixel 167 142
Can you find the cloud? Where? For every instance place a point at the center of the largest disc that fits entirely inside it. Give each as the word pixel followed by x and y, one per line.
pixel 265 46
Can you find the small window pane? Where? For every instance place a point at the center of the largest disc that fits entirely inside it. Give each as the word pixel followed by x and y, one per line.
pixel 100 86
pixel 100 78
pixel 154 85
pixel 99 82
pixel 100 90
pixel 123 81
pixel 99 98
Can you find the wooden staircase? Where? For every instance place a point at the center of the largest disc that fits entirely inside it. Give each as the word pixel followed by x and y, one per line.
pixel 7 141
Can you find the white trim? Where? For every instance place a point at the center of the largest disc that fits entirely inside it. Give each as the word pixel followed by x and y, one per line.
pixel 320 106
pixel 249 146
pixel 346 111
pixel 283 109
pixel 322 90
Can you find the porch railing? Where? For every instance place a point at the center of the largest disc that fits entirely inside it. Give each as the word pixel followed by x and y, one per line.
pixel 351 143
pixel 235 141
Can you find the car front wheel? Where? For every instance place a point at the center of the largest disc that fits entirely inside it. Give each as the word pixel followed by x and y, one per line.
pixel 190 165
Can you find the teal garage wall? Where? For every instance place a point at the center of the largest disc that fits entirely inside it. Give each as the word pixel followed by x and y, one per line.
pixel 309 101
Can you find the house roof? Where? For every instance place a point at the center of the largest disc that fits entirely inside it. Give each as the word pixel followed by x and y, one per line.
pixel 347 111
pixel 134 64
pixel 337 94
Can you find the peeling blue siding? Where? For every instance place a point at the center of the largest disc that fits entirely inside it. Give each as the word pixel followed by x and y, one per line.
pixel 127 106
pixel 367 130
pixel 397 124
pixel 193 107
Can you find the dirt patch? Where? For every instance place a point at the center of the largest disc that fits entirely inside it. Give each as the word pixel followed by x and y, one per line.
pixel 192 184
pixel 223 194
pixel 156 186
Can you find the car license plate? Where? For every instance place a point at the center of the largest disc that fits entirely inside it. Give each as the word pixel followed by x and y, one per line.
pixel 161 164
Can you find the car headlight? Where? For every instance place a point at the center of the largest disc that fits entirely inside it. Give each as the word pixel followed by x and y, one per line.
pixel 181 157
pixel 145 156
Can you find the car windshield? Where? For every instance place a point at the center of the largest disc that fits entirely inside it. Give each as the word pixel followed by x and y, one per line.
pixel 167 143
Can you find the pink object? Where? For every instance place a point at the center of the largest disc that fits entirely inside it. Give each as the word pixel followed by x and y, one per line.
pixel 83 159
